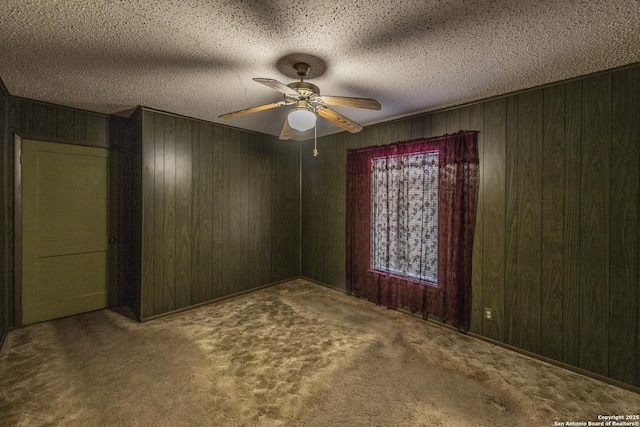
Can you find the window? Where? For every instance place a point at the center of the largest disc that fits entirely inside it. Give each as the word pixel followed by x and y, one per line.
pixel 404 215
pixel 399 195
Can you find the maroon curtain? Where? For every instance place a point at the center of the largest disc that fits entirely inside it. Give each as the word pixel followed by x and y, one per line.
pixel 450 298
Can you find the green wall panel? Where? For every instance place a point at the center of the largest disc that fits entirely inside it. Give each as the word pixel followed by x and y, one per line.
pixel 556 251
pixel 220 212
pixel 5 274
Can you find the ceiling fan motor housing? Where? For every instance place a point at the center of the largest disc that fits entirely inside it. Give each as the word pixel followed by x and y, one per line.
pixel 305 89
pixel 306 97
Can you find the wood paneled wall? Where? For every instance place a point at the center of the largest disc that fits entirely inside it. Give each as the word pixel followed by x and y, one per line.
pixel 220 212
pixel 38 120
pixel 126 136
pixel 4 283
pixel 556 251
pixel 206 211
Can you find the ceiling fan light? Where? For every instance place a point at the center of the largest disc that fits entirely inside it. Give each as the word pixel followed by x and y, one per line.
pixel 302 119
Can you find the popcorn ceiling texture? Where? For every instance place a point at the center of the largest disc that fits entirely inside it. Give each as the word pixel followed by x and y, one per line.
pixel 197 57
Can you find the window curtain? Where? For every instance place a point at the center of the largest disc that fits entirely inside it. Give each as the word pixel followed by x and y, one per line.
pixel 449 298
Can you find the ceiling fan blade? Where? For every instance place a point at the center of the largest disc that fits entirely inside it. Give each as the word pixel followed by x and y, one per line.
pixel 339 119
pixel 252 110
pixel 287 131
pixel 344 101
pixel 280 87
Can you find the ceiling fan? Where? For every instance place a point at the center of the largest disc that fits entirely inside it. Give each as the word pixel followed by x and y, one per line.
pixel 308 102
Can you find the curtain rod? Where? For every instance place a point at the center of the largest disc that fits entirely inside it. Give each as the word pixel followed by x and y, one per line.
pixel 412 141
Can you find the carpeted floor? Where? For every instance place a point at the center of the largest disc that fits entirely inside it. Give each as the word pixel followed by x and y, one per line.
pixel 296 354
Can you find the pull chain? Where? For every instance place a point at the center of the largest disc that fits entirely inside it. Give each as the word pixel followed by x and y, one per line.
pixel 315 141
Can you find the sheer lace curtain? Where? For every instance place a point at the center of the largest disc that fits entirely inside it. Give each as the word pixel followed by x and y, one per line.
pixel 410 223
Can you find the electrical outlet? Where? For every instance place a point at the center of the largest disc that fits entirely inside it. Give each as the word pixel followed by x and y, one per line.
pixel 488 313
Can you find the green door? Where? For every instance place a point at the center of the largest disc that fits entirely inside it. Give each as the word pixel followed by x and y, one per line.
pixel 65 226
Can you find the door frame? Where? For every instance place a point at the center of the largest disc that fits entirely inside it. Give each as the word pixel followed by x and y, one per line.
pixel 113 281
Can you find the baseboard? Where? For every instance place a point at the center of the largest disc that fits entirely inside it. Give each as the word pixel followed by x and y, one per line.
pixel 559 364
pixel 3 334
pixel 536 356
pixel 216 300
pixel 344 291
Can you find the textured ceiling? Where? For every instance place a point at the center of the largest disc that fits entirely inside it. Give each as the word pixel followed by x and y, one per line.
pixel 197 57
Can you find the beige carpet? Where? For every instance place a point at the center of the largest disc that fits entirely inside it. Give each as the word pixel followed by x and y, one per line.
pixel 296 354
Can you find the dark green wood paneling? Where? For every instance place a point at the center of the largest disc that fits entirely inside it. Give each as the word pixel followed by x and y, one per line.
pixel 243 179
pixel 4 283
pixel 493 216
pixel 511 315
pixel 289 259
pixel 572 218
pixel 94 128
pixel 557 267
pixel 13 125
pixel 231 225
pixel 236 187
pixel 262 212
pixel 465 117
pixel 552 223
pixel 198 221
pixel 329 198
pixel 125 136
pixel 159 179
pixel 202 218
pixel 427 126
pixel 371 136
pixel 51 121
pixel 214 222
pixel 453 121
pixel 334 220
pixel 416 128
pixel 595 224
pixel 321 190
pixel 323 256
pixel 311 206
pixel 439 123
pixel 253 209
pixel 183 211
pixel 529 218
pixel 148 215
pixel 42 120
pixel 285 214
pixel 169 216
pixel 339 277
pixel 394 131
pixel 220 137
pixel 476 122
pixel 228 219
pixel 135 207
pixel 240 246
pixel 24 117
pixel 65 127
pixel 79 125
pixel 625 181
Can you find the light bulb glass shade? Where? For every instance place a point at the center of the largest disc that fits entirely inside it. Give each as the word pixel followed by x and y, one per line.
pixel 302 119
